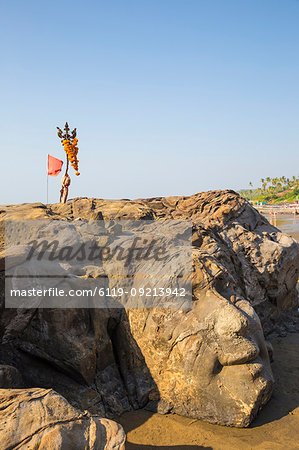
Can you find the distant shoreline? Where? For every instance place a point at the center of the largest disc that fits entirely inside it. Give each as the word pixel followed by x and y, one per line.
pixel 286 210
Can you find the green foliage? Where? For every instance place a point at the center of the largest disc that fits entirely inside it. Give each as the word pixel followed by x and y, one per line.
pixel 273 190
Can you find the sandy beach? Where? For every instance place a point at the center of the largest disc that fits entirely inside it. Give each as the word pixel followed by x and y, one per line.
pixel 276 427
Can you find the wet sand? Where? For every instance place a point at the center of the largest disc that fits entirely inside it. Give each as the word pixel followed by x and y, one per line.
pixel 276 427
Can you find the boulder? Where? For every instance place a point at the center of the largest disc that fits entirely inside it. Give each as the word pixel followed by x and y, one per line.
pixel 206 361
pixel 41 418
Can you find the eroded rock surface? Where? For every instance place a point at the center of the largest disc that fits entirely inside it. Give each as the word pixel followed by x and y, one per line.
pixel 41 418
pixel 209 361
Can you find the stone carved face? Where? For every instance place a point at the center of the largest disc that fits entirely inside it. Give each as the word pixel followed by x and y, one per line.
pixel 210 362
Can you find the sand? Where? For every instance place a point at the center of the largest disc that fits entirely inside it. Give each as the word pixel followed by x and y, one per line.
pixel 276 427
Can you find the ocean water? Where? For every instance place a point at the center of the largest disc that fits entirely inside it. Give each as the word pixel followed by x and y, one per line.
pixel 289 224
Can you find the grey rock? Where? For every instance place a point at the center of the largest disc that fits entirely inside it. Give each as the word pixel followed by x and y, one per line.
pixel 209 361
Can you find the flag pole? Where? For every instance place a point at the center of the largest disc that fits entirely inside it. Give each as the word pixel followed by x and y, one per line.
pixel 47 180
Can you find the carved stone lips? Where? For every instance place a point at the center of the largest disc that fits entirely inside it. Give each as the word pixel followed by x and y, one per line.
pixel 239 350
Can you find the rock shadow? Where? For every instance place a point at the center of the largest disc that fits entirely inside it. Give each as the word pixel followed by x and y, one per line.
pixel 285 398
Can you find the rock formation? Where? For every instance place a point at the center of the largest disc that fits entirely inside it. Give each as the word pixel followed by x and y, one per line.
pixel 41 418
pixel 208 361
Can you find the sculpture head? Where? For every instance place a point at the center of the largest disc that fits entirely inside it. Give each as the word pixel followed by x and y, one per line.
pixel 210 362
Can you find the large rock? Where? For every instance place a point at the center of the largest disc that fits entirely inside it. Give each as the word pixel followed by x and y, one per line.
pixel 208 361
pixel 43 419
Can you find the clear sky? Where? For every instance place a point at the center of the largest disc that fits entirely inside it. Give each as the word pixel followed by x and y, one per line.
pixel 169 96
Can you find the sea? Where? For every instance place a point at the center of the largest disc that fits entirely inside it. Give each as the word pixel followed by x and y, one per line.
pixel 289 224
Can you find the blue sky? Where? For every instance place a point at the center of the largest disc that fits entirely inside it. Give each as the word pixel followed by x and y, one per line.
pixel 169 97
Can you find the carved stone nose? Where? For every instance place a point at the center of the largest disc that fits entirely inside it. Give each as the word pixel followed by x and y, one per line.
pixel 231 321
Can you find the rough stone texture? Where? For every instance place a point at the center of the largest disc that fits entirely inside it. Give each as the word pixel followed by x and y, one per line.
pixel 43 419
pixel 207 362
pixel 10 377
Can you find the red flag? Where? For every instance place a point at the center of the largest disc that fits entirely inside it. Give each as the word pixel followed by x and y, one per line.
pixel 54 166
